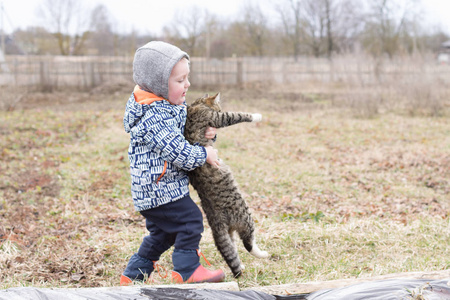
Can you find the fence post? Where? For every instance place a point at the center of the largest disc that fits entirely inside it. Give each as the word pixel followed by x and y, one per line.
pixel 239 75
pixel 44 78
pixel 92 75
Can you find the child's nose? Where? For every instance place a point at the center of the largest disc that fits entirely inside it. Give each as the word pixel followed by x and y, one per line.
pixel 188 84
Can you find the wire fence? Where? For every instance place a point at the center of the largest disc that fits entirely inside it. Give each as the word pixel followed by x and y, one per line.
pixel 85 72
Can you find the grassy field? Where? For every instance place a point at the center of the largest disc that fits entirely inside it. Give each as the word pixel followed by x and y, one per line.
pixel 338 189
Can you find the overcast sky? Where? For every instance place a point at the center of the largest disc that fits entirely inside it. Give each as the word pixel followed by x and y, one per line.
pixel 150 16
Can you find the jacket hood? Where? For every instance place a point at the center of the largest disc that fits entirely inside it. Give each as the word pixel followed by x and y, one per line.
pixel 136 109
pixel 153 64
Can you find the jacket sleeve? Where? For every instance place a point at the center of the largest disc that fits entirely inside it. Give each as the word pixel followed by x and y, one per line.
pixel 159 130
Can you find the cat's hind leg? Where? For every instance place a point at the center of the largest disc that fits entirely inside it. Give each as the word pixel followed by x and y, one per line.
pixel 258 252
pixel 248 238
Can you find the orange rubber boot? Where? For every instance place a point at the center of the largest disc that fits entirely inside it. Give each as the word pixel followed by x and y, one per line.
pixel 124 280
pixel 200 275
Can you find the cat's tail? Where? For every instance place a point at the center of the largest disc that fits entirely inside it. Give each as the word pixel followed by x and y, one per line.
pixel 226 246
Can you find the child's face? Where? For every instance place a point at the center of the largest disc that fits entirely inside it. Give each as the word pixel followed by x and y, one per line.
pixel 179 82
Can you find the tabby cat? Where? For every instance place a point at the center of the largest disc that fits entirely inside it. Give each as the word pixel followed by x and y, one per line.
pixel 221 200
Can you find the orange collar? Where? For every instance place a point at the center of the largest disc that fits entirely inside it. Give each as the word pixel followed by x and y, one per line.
pixel 143 97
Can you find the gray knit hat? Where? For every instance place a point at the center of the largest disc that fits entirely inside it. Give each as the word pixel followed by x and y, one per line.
pixel 153 64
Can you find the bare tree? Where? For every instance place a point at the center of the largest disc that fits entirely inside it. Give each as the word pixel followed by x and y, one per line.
pixel 187 28
pixel 68 20
pixel 290 16
pixel 102 37
pixel 347 19
pixel 324 26
pixel 249 34
pixel 306 22
pixel 385 25
pixel 330 23
pixel 314 16
pixel 255 24
pixel 211 33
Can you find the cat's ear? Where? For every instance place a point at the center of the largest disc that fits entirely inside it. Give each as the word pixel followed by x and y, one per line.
pixel 205 96
pixel 217 98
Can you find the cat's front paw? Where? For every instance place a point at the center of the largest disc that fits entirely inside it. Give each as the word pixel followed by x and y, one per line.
pixel 256 117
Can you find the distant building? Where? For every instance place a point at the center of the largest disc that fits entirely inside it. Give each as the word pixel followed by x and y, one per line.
pixel 444 53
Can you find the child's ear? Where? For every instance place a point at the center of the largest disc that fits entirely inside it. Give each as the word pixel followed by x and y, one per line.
pixel 217 98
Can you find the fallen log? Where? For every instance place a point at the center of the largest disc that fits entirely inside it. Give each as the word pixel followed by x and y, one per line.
pixel 103 293
pixel 221 286
pixel 309 287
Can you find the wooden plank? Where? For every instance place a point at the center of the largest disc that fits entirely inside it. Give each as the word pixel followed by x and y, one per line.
pixel 223 286
pixel 309 287
pixel 133 292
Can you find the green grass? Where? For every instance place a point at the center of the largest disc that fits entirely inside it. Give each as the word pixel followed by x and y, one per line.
pixel 333 196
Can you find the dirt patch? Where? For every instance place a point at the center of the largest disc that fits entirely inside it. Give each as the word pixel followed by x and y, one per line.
pixel 37 180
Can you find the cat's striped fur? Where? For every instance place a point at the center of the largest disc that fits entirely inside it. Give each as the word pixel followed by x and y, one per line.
pixel 225 208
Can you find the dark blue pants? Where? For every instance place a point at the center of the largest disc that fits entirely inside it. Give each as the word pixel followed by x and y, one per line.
pixel 178 224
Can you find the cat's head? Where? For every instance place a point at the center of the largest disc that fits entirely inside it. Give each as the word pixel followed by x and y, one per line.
pixel 211 102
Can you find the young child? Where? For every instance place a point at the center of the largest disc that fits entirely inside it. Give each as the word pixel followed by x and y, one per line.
pixel 159 157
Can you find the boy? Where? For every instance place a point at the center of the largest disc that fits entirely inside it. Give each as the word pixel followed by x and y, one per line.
pixel 159 157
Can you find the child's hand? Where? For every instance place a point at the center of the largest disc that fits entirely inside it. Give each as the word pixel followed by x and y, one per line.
pixel 210 132
pixel 211 156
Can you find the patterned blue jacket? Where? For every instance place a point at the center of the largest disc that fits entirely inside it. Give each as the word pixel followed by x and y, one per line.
pixel 157 143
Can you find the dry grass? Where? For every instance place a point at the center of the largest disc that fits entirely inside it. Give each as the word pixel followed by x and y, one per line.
pixel 334 196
